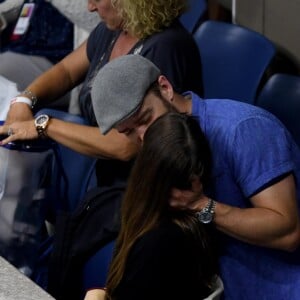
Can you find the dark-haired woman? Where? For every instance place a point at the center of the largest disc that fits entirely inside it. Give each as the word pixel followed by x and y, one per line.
pixel 163 253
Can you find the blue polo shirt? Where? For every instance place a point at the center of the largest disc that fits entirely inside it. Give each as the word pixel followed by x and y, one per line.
pixel 251 149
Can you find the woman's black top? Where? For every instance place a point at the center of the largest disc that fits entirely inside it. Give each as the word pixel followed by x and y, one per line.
pixel 162 265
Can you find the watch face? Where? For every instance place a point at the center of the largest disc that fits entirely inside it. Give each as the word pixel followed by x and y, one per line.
pixel 41 123
pixel 205 217
pixel 42 119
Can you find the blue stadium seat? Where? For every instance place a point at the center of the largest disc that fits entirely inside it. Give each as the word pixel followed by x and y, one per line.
pixel 234 60
pixel 74 172
pixel 194 15
pixel 281 96
pixel 96 269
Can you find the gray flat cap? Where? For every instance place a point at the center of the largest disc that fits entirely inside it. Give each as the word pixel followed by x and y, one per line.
pixel 119 88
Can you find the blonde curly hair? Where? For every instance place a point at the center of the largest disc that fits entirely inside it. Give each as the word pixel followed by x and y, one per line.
pixel 142 18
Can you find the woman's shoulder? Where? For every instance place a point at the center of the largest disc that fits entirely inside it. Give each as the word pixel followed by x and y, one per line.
pixel 174 40
pixel 174 34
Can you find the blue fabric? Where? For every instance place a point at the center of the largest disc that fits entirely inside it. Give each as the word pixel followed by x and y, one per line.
pixel 251 149
pixel 192 18
pixel 50 34
pixel 96 269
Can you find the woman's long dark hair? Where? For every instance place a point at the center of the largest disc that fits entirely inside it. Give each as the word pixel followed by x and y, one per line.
pixel 174 151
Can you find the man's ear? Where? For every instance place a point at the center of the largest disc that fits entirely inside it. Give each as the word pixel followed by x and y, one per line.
pixel 166 88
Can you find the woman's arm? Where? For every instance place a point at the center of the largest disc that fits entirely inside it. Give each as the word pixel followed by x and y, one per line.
pixel 81 138
pixel 52 84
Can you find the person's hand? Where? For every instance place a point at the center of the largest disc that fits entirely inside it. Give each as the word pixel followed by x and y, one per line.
pixel 95 294
pixel 18 131
pixel 189 199
pixel 18 112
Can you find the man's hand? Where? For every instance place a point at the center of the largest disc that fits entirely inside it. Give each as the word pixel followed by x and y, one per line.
pixel 189 199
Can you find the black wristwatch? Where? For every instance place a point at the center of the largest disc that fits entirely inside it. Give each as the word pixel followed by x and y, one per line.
pixel 41 123
pixel 206 215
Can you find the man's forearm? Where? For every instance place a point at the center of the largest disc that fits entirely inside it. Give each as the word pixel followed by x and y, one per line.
pixel 258 226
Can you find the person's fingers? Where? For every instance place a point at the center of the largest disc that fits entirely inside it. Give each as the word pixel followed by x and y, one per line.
pixel 18 131
pixel 181 198
pixel 177 204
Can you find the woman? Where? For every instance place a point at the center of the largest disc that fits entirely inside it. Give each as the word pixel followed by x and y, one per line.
pixel 162 253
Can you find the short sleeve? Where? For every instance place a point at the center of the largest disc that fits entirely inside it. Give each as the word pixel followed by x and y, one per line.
pixel 260 153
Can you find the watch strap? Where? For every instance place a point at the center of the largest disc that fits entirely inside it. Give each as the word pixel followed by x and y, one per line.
pixel 207 213
pixel 41 131
pixel 211 205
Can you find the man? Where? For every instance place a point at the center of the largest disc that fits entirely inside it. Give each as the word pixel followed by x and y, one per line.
pixel 253 197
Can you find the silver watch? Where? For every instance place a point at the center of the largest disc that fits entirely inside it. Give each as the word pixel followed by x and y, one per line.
pixel 207 213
